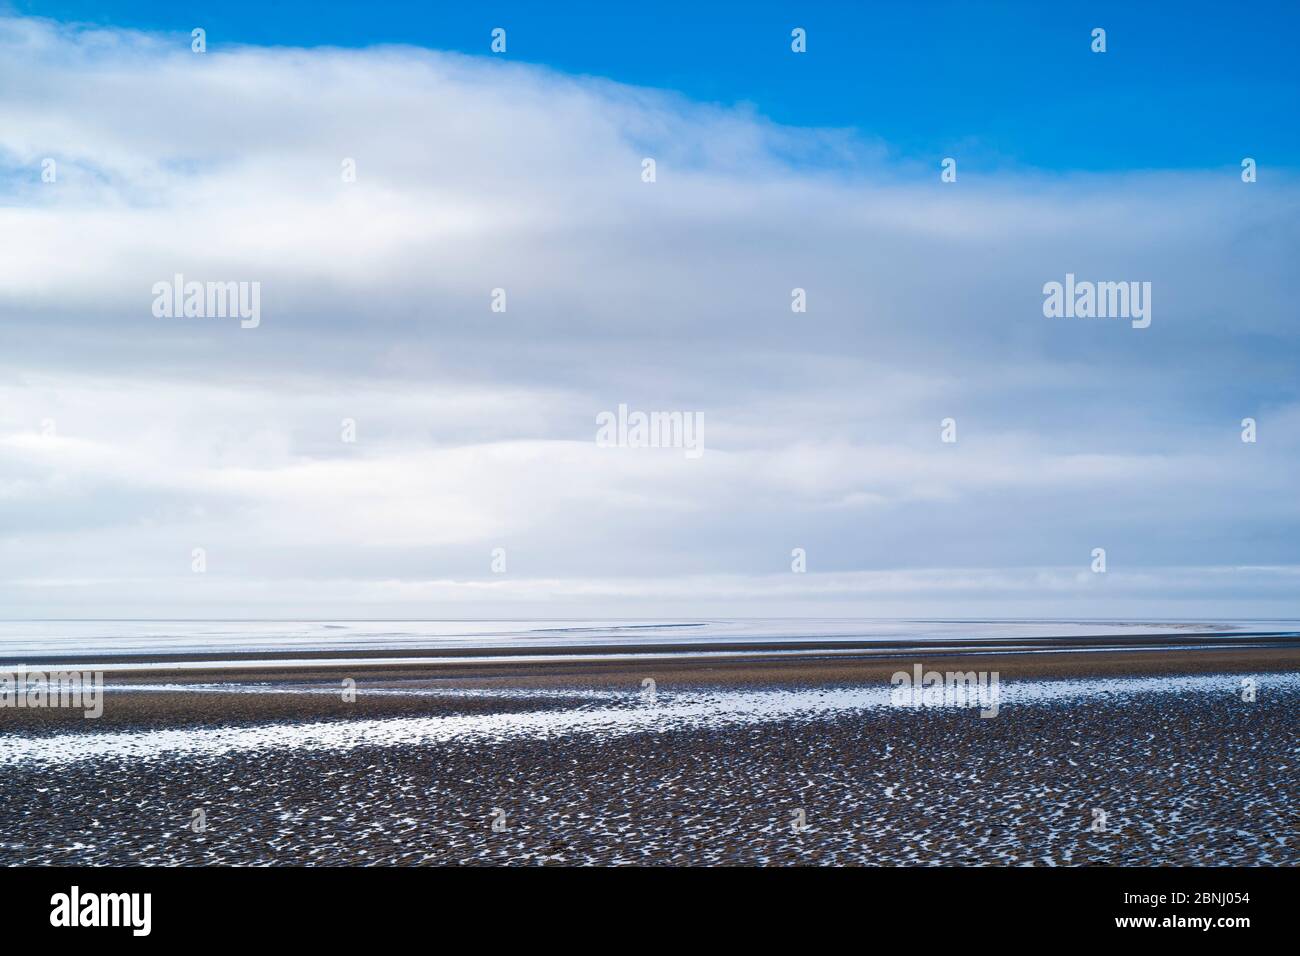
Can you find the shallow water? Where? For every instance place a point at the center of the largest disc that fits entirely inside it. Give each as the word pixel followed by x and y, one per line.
pixel 36 640
pixel 607 713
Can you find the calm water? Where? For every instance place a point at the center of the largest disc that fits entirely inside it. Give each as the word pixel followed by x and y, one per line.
pixel 31 641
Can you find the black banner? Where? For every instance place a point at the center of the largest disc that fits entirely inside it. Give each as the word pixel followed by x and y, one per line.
pixel 325 904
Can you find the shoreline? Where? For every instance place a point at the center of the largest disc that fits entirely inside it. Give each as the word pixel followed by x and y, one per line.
pixel 162 698
pixel 543 652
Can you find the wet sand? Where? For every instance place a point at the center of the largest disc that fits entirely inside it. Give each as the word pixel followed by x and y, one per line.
pixel 180 707
pixel 1191 774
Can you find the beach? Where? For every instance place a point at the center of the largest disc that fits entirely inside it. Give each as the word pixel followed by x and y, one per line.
pixel 1153 754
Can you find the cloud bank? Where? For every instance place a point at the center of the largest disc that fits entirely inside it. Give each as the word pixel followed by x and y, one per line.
pixel 127 440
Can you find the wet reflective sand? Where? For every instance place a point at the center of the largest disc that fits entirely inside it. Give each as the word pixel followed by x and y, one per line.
pixel 1114 770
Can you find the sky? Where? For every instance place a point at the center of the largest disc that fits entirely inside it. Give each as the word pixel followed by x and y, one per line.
pixel 128 439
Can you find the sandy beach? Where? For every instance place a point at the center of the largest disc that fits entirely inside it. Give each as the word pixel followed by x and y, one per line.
pixel 1143 756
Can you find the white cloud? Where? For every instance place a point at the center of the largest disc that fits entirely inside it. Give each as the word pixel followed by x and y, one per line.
pixel 475 428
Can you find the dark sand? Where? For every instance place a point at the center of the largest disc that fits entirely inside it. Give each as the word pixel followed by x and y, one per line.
pixel 1183 778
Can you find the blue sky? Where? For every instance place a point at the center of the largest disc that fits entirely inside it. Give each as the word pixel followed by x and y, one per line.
pixel 1182 85
pixel 129 439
